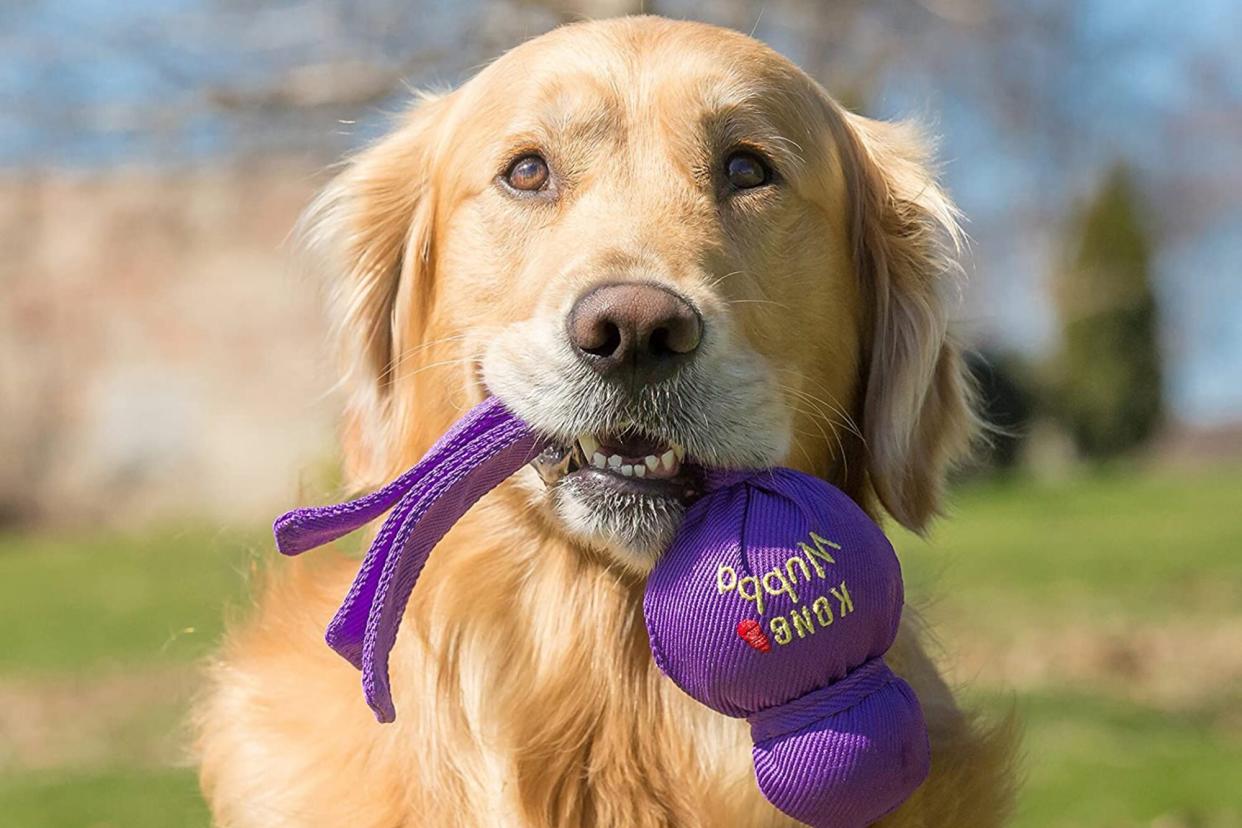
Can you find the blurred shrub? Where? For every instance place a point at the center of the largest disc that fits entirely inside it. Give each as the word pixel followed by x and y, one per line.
pixel 1006 400
pixel 1108 372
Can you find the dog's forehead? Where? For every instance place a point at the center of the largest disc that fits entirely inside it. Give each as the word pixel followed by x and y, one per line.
pixel 632 66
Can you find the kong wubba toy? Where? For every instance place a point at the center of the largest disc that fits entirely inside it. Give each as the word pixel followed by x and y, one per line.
pixel 775 602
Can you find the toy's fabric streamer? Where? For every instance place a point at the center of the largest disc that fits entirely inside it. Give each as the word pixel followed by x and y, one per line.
pixel 483 448
pixel 775 602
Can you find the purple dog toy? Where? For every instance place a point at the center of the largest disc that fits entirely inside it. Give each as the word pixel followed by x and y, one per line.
pixel 775 602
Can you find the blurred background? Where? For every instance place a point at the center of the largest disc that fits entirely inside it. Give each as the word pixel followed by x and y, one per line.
pixel 165 388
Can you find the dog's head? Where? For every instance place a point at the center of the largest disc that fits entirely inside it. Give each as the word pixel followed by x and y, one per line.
pixel 664 245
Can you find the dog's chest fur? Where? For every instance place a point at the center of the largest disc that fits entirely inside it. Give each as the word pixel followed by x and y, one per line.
pixel 543 653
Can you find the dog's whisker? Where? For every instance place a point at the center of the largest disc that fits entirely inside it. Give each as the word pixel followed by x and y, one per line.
pixel 817 414
pixel 836 406
pixel 440 364
pixel 831 404
pixel 781 305
pixel 720 279
pixel 409 355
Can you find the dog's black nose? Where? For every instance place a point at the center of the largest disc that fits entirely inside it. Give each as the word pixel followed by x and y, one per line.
pixel 635 328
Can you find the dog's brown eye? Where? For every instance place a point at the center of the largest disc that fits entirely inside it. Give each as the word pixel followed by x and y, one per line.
pixel 746 170
pixel 530 172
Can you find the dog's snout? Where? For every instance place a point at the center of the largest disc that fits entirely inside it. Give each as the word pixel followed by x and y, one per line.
pixel 634 327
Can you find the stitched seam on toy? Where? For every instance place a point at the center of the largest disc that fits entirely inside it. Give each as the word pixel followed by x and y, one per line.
pixel 657 654
pixel 743 552
pixel 764 736
pixel 763 724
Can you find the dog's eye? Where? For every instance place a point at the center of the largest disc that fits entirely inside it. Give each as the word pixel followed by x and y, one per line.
pixel 530 172
pixel 746 170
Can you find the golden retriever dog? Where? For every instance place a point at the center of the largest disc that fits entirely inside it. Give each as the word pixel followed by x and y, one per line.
pixel 657 240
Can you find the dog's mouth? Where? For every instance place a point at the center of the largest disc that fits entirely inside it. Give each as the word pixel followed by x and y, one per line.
pixel 622 465
pixel 627 461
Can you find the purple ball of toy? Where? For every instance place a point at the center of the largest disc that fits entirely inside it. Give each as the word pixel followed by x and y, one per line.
pixel 776 602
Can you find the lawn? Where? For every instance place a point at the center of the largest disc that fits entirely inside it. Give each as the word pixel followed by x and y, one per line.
pixel 1107 609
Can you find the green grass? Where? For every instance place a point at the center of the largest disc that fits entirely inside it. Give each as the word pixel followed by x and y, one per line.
pixel 1119 549
pixel 1093 760
pixel 1112 550
pixel 111 601
pixel 1117 544
pixel 115 798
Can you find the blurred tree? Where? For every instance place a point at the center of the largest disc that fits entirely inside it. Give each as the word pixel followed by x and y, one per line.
pixel 1006 403
pixel 1108 371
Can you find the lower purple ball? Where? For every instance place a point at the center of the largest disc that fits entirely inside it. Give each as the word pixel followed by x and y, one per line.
pixel 850 767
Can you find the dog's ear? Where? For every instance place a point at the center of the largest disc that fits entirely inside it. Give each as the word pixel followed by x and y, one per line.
pixel 918 409
pixel 373 228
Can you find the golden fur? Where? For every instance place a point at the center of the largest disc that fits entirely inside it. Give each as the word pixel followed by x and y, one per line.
pixel 525 690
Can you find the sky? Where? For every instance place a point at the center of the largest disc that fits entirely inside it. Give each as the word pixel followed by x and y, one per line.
pixel 97 83
pixel 1157 85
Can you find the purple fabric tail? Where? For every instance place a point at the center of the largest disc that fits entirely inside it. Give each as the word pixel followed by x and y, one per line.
pixel 486 446
pixel 298 530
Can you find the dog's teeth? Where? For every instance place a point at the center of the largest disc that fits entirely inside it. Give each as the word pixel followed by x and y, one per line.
pixel 680 452
pixel 627 470
pixel 589 444
pixel 598 460
pixel 614 461
pixel 652 462
pixel 639 471
pixel 668 459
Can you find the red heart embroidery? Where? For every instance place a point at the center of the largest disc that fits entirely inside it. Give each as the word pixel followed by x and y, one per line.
pixel 752 634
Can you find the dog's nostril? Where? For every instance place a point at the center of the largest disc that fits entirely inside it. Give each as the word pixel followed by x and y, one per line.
pixel 680 335
pixel 609 338
pixel 645 329
pixel 673 340
pixel 657 345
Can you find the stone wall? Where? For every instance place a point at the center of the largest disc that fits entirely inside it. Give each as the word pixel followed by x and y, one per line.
pixel 160 354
